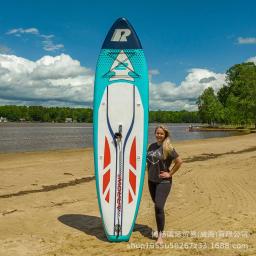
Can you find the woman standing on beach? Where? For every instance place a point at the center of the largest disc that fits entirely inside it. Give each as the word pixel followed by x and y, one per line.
pixel 159 159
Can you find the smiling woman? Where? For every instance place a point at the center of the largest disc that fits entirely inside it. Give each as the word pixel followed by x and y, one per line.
pixel 160 171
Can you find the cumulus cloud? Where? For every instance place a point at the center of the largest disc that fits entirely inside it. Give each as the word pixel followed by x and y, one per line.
pixel 169 96
pixel 252 59
pixel 47 40
pixel 58 80
pixel 246 40
pixel 62 81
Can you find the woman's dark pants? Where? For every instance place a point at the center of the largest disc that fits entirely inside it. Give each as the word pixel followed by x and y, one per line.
pixel 159 193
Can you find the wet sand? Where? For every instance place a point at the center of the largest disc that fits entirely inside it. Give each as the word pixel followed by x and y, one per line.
pixel 48 204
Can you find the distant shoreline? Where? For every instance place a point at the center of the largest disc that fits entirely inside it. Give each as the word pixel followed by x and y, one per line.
pixel 195 125
pixel 221 129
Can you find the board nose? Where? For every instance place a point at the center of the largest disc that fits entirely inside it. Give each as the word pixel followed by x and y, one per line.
pixel 121 36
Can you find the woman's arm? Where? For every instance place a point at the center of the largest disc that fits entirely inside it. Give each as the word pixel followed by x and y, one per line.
pixel 177 163
pixel 175 168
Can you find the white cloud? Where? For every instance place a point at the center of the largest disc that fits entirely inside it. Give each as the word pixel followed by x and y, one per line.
pixel 154 72
pixel 58 80
pixel 47 36
pixel 169 96
pixel 19 31
pixel 252 59
pixel 47 40
pixel 58 67
pixel 49 46
pixel 246 40
pixel 62 81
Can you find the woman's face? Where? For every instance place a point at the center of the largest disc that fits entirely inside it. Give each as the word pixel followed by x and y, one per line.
pixel 160 135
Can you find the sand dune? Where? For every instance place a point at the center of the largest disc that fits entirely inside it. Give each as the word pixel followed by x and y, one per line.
pixel 48 204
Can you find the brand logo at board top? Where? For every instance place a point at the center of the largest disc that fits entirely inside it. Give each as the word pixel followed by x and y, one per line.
pixel 120 35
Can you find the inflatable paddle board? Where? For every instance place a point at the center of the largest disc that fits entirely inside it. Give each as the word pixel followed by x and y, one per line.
pixel 120 129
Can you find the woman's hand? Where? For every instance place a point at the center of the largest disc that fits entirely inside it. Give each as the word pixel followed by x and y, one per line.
pixel 164 174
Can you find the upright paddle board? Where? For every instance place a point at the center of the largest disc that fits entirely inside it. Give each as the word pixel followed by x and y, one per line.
pixel 120 129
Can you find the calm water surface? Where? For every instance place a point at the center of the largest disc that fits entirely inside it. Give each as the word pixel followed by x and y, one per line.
pixel 19 137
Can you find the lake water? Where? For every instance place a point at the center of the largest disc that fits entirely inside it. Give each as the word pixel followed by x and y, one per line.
pixel 20 137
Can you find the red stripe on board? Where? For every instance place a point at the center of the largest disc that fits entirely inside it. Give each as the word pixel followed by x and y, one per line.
pixel 132 180
pixel 107 157
pixel 130 199
pixel 106 180
pixel 133 154
pixel 107 197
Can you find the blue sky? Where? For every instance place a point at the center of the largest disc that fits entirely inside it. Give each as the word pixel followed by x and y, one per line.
pixel 183 40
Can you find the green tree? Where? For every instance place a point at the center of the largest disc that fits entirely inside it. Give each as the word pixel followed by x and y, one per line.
pixel 223 94
pixel 239 95
pixel 210 109
pixel 35 113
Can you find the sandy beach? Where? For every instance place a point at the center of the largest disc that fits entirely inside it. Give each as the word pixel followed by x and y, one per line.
pixel 48 204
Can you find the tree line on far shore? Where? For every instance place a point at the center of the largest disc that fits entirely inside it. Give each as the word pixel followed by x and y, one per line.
pixel 235 102
pixel 62 114
pixel 45 114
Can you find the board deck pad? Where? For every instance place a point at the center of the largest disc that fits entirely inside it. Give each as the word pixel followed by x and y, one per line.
pixel 120 129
